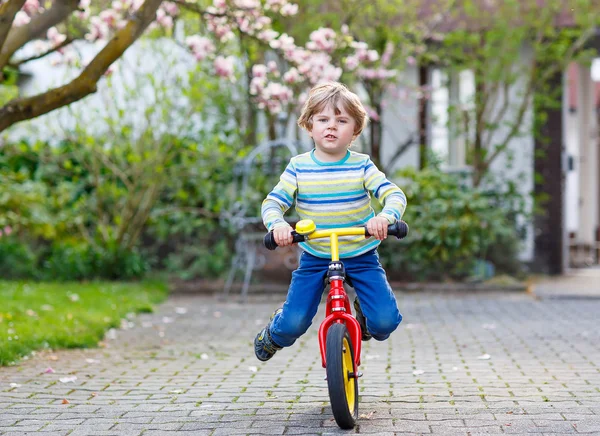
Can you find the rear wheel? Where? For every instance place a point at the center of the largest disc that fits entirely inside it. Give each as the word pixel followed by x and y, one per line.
pixel 341 379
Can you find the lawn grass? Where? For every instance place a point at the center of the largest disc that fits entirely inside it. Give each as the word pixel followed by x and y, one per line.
pixel 37 316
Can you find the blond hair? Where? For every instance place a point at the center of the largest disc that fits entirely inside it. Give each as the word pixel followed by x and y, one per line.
pixel 334 94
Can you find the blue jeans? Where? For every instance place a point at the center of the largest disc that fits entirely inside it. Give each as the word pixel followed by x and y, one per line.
pixel 368 277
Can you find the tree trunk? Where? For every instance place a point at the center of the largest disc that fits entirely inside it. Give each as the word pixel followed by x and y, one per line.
pixel 26 108
pixel 376 134
pixel 423 116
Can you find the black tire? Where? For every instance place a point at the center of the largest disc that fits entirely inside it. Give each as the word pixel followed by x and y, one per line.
pixel 343 385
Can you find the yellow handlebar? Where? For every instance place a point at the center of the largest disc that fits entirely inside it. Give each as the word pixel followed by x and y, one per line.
pixel 308 229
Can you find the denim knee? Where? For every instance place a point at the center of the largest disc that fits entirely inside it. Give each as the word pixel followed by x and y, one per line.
pixel 293 325
pixel 382 326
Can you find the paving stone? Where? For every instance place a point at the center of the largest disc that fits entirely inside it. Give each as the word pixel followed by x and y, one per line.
pixel 541 378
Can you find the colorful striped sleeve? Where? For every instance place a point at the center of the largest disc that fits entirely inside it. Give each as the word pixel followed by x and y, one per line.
pixel 390 196
pixel 280 199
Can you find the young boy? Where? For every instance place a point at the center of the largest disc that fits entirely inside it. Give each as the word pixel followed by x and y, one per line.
pixel 331 185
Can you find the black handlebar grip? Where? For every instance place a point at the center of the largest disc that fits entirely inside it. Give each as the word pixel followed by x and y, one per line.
pixel 269 241
pixel 270 244
pixel 399 229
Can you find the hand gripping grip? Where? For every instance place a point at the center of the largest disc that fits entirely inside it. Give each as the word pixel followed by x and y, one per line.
pixel 270 243
pixel 399 229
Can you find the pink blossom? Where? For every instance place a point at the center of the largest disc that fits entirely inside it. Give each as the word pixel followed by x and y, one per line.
pixel 267 35
pixel 21 18
pixel 98 30
pixel 387 54
pixel 119 6
pixel 262 21
pixel 257 84
pixel 274 5
pixel 372 55
pixel 247 4
pixel 284 42
pixel 32 7
pixel 322 39
pixel 411 60
pixel 224 67
pixel 84 4
pixel 171 8
pixel 373 115
pixel 288 10
pixel 110 17
pixel 376 73
pixel 259 70
pixel 163 19
pixel 200 46
pixel 352 63
pixel 7 230
pixel 292 76
pixel 55 36
pixel 136 4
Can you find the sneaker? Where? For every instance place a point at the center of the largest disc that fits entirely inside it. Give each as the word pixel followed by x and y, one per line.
pixel 264 346
pixel 366 336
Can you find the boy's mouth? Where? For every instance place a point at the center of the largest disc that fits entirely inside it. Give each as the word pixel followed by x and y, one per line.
pixel 330 136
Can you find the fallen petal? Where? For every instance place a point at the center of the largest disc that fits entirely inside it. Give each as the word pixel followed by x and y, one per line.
pixel 418 372
pixel 204 356
pixel 167 320
pixel 217 314
pixel 484 357
pixel 489 326
pixel 372 356
pixel 49 371
pixel 15 385
pixel 65 401
pixel 181 310
pixel 91 360
pixel 252 368
pixel 176 391
pixel 69 379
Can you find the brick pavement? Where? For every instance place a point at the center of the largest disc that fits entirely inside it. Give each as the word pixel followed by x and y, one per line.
pixel 195 373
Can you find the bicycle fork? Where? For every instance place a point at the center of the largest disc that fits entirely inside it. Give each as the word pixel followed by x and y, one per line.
pixel 338 308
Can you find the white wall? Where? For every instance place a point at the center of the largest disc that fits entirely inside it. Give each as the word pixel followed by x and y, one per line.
pixel 131 91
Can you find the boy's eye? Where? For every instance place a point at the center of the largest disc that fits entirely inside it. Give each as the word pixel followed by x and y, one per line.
pixel 343 121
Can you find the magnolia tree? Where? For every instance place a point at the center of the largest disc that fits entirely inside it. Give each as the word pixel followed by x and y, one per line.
pixel 275 87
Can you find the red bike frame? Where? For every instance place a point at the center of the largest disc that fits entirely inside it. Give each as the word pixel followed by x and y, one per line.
pixel 338 310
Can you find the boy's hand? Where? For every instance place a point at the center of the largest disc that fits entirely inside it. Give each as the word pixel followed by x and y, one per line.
pixel 378 227
pixel 283 236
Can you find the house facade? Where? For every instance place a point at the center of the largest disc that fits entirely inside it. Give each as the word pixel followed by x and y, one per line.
pixel 567 233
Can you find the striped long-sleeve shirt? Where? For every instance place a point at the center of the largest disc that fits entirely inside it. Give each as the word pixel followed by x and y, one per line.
pixel 333 194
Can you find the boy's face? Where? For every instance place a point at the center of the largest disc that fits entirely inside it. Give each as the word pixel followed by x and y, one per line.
pixel 332 133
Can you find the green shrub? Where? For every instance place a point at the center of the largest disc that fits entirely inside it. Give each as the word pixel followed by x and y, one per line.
pixel 452 227
pixel 17 260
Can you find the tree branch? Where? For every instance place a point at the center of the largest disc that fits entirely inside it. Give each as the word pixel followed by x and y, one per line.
pixel 39 24
pixel 26 108
pixel 8 11
pixel 41 55
pixel 400 150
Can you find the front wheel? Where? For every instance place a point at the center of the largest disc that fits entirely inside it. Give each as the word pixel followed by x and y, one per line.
pixel 341 379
